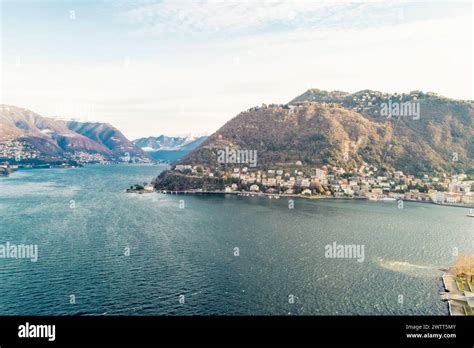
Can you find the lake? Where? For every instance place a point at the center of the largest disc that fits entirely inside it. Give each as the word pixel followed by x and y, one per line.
pixel 103 251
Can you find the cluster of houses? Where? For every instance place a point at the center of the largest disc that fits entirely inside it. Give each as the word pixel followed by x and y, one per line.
pixel 459 192
pixel 17 150
pixel 335 181
pixel 85 157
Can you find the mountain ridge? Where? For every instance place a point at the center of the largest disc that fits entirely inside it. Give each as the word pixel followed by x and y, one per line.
pixel 55 139
pixel 168 148
pixel 344 129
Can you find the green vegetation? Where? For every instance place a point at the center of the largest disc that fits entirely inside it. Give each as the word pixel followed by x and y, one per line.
pixel 471 285
pixel 174 181
pixel 460 284
pixel 468 310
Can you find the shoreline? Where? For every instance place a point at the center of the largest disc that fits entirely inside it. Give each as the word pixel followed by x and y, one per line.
pixel 446 290
pixel 238 193
pixel 452 295
pixel 272 195
pixel 255 194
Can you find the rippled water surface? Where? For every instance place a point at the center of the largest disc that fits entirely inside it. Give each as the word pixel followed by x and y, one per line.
pixel 190 251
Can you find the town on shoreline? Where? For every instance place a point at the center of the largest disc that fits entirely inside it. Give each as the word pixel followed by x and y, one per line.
pixel 324 182
pixel 313 183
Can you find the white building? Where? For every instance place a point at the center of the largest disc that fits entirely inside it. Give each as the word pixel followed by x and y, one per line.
pixel 320 174
pixel 148 187
pixel 254 188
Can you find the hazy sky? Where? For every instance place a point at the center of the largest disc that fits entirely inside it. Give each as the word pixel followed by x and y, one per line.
pixel 177 67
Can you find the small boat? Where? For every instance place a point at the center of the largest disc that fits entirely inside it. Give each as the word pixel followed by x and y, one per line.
pixel 471 213
pixel 387 199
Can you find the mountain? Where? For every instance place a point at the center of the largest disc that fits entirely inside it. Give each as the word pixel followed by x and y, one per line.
pixel 348 130
pixel 22 130
pixel 107 136
pixel 440 139
pixel 169 149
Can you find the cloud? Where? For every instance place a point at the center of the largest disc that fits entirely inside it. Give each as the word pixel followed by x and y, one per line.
pixel 197 85
pixel 230 17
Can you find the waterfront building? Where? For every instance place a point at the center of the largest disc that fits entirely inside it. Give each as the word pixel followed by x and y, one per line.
pixel 254 188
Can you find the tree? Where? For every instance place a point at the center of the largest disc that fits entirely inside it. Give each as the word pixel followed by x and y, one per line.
pixel 317 187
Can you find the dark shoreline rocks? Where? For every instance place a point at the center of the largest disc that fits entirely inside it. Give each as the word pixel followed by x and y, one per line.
pixel 5 171
pixel 145 188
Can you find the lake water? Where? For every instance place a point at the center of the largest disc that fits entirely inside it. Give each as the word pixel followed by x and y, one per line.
pixel 190 251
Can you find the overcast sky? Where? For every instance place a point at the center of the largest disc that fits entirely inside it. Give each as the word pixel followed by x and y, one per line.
pixel 179 67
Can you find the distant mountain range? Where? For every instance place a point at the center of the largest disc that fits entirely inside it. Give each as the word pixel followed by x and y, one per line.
pixel 169 149
pixel 418 133
pixel 24 132
pixel 53 139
